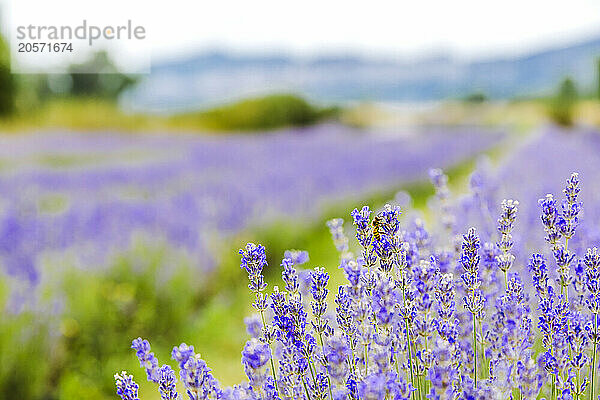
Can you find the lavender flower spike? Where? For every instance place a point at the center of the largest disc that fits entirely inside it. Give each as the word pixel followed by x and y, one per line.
pixel 182 353
pixel 440 183
pixel 592 277
pixel 474 301
pixel 147 359
pixel 254 358
pixel 127 389
pixel 505 226
pixel 549 219
pixel 167 383
pixel 253 261
pixel 198 379
pixel 340 240
pixel 571 208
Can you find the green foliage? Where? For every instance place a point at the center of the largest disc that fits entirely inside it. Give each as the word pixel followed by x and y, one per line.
pixel 561 108
pixel 75 353
pixel 7 82
pixel 92 113
pixel 269 112
pixel 24 345
pixel 476 98
pixel 107 85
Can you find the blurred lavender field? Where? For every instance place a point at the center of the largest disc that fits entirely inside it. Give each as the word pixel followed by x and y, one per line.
pixel 542 165
pixel 537 166
pixel 83 196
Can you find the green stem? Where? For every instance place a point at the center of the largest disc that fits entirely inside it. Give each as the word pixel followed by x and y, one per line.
pixel 485 366
pixel 366 359
pixel 410 363
pixel 553 389
pixel 566 287
pixel 577 380
pixel 262 316
pixel 305 388
pixel 593 366
pixel 312 372
pixel 506 280
pixel 425 370
pixel 353 363
pixel 328 378
pixel 474 351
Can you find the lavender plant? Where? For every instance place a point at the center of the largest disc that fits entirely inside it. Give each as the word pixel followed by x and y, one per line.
pixel 397 332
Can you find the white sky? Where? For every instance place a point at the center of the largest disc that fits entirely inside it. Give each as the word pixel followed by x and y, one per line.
pixel 470 28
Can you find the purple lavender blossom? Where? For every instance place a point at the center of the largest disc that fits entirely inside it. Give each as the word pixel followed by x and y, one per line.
pixel 336 228
pixel 298 257
pixel 592 279
pixel 167 383
pixel 473 300
pixel 147 359
pixel 319 292
pixel 469 260
pixel 381 385
pixel 550 219
pixel 362 221
pixel 290 276
pixel 505 226
pixel 255 354
pixel 440 183
pixel 127 389
pixel 571 207
pixel 253 261
pixel 182 354
pixel 396 317
pixel 198 380
pixel 253 325
pixel 443 375
pixel 446 308
pixel 338 354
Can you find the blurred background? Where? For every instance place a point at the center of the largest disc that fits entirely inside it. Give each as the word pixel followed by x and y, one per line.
pixel 124 198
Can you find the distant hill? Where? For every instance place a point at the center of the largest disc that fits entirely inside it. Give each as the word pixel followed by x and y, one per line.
pixel 214 77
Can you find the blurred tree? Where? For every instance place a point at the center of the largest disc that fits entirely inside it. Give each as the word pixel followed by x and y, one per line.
pixel 563 104
pixel 260 113
pixel 106 84
pixel 475 97
pixel 7 81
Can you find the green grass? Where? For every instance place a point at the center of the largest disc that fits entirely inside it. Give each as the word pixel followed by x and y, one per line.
pixel 80 115
pixel 269 112
pixel 90 114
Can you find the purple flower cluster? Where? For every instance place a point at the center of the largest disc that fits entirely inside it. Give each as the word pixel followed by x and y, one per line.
pixel 127 389
pixel 398 331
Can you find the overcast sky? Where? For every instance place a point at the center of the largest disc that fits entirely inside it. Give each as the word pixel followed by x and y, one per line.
pixel 470 28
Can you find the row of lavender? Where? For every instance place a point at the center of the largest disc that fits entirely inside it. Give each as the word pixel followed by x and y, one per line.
pixel 180 188
pixel 529 174
pixel 442 312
